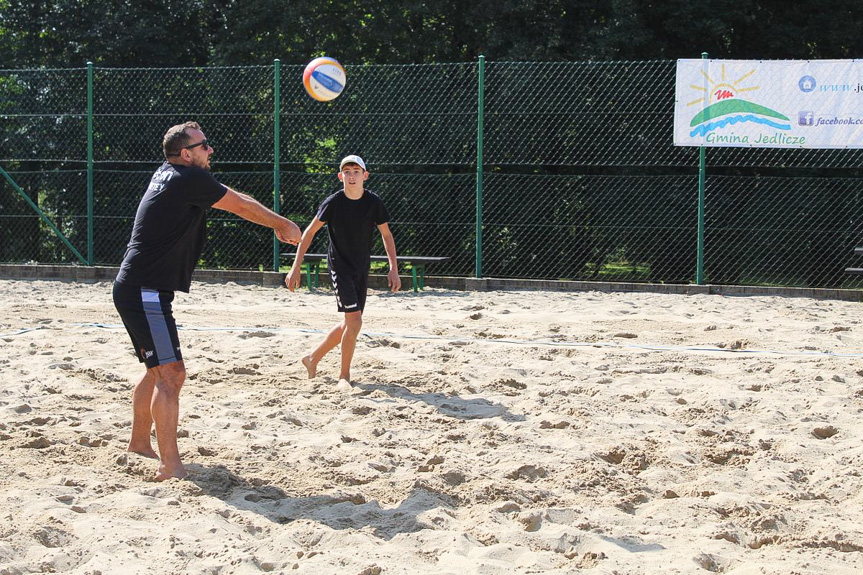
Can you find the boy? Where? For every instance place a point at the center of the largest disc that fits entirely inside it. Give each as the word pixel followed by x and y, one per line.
pixel 350 216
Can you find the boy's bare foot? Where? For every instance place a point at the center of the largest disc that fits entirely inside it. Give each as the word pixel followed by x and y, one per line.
pixel 165 473
pixel 311 366
pixel 144 452
pixel 344 385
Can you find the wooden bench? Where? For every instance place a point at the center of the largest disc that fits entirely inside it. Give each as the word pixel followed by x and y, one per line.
pixel 858 271
pixel 417 263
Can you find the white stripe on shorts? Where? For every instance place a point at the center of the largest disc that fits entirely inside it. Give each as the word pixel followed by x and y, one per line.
pixel 158 327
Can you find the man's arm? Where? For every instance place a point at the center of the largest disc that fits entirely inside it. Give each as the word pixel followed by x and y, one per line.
pixel 250 209
pixel 393 279
pixel 292 280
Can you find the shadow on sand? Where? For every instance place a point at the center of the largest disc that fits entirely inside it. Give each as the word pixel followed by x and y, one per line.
pixel 338 511
pixel 451 405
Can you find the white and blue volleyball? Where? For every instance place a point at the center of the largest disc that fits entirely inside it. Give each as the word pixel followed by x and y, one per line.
pixel 324 79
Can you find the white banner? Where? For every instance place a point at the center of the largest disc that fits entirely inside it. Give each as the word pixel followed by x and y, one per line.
pixel 769 103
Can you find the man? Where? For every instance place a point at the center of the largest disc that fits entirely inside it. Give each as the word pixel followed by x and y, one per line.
pixel 350 216
pixel 167 242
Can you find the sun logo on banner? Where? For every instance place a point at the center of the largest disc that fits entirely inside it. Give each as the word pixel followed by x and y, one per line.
pixel 723 106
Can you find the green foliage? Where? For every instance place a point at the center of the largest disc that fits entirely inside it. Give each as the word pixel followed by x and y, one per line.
pixel 63 33
pixel 66 33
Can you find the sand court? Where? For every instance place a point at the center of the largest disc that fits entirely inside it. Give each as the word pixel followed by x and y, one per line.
pixel 487 432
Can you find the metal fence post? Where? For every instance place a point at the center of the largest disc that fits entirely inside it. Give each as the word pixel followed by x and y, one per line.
pixel 277 67
pixel 702 169
pixel 479 163
pixel 89 163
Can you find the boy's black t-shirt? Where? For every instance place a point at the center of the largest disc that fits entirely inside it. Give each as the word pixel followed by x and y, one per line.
pixel 170 228
pixel 351 225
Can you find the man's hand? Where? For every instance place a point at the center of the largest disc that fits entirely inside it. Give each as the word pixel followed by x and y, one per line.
pixel 394 281
pixel 292 280
pixel 250 209
pixel 288 232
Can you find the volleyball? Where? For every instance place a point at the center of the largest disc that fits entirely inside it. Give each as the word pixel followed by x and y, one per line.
pixel 324 79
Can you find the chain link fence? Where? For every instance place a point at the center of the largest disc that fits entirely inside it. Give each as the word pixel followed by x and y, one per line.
pixel 574 169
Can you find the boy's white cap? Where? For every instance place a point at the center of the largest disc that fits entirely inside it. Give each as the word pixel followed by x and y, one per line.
pixel 352 159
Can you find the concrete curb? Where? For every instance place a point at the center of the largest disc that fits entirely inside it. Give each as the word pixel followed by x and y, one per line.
pixel 92 274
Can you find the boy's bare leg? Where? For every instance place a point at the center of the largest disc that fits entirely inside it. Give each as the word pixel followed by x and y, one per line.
pixel 142 418
pixel 353 323
pixel 334 337
pixel 166 413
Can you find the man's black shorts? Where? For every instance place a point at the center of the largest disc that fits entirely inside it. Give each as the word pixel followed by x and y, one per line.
pixel 146 313
pixel 350 291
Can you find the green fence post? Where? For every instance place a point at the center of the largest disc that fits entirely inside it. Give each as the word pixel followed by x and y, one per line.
pixel 277 68
pixel 702 169
pixel 89 163
pixel 479 163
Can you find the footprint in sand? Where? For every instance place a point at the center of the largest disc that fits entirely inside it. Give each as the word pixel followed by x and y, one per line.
pixel 249 334
pixel 825 432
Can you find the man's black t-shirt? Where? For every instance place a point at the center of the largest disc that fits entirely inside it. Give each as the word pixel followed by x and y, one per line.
pixel 351 225
pixel 170 228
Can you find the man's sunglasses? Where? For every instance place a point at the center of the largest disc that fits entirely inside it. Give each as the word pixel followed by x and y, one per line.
pixel 203 142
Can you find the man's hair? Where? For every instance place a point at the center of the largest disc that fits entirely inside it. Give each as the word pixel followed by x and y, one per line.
pixel 176 138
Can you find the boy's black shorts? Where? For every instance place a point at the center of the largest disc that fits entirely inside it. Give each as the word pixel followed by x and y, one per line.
pixel 146 313
pixel 350 291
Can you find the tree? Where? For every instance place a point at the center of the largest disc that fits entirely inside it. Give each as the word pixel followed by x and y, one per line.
pixel 63 33
pixel 67 33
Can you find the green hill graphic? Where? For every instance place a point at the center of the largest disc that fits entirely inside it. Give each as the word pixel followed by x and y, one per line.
pixel 734 106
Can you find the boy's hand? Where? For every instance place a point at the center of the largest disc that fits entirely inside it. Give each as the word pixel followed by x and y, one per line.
pixel 394 281
pixel 292 280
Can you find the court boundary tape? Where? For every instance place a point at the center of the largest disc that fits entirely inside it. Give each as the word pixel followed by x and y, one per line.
pixel 20 331
pixel 527 343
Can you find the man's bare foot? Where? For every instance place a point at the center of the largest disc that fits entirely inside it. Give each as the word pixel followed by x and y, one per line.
pixel 144 452
pixel 344 385
pixel 165 473
pixel 311 366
